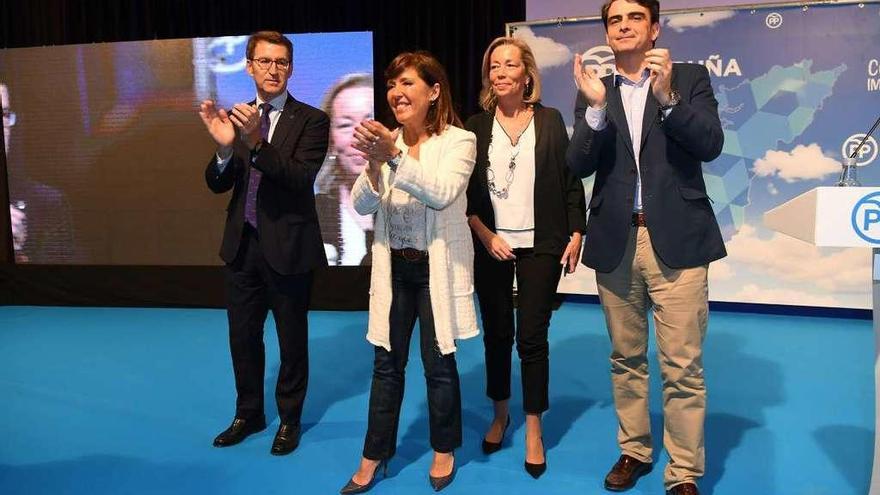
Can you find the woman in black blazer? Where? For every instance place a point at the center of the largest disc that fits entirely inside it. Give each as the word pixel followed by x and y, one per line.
pixel 527 213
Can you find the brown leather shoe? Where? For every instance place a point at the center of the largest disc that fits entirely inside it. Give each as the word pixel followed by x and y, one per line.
pixel 625 473
pixel 684 489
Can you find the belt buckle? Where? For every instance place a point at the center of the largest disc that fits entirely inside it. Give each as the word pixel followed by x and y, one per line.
pixel 638 220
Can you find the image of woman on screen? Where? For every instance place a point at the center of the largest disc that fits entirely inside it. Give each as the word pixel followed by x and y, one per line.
pixel 347 234
pixel 42 225
pixel 422 263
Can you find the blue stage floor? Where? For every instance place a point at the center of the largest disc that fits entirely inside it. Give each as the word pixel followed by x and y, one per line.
pixel 127 401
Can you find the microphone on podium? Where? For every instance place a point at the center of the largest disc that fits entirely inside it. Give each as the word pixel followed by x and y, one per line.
pixel 848 176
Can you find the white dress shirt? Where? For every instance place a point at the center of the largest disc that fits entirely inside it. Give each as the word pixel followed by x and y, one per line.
pixel 634 96
pixel 515 214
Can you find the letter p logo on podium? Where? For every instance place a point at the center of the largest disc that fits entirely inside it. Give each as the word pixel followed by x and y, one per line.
pixel 831 217
pixel 866 217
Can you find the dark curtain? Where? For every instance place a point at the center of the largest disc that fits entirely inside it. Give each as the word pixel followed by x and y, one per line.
pixel 456 32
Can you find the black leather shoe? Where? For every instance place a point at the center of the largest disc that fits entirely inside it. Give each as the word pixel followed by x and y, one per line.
pixel 492 447
pixel 625 472
pixel 684 489
pixel 286 440
pixel 441 482
pixel 239 430
pixel 352 487
pixel 536 470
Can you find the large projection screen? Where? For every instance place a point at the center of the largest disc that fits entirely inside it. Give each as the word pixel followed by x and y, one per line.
pixel 797 87
pixel 106 152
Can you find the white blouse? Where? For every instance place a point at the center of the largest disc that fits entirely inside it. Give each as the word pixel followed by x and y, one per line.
pixel 406 221
pixel 513 194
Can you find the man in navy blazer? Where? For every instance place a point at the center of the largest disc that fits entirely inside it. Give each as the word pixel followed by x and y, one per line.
pixel 645 131
pixel 269 152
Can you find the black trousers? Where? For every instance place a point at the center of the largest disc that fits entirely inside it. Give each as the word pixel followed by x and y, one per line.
pixel 411 298
pixel 253 288
pixel 537 276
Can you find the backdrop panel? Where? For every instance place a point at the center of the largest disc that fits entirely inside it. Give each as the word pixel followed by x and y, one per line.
pixel 796 86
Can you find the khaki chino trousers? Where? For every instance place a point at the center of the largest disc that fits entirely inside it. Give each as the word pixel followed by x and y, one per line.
pixel 679 299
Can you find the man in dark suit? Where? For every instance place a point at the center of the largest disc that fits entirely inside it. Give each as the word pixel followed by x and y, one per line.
pixel 269 152
pixel 644 131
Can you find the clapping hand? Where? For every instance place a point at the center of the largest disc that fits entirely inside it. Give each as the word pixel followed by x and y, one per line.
pixel 375 141
pixel 589 83
pixel 218 124
pixel 247 119
pixel 658 61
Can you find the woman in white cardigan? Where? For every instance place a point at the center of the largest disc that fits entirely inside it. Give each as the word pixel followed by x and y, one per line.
pixel 422 259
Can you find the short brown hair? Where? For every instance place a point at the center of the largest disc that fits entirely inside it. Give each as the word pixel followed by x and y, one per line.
pixel 273 37
pixel 441 113
pixel 653 7
pixel 532 94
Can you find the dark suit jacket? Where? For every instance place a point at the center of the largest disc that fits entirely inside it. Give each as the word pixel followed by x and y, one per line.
pixel 286 219
pixel 559 197
pixel 677 212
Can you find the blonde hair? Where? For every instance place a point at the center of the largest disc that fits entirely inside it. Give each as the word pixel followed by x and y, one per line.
pixel 329 174
pixel 532 94
pixel 348 81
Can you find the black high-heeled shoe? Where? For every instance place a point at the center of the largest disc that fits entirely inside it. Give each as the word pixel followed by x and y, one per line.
pixel 352 487
pixel 492 447
pixel 441 482
pixel 536 470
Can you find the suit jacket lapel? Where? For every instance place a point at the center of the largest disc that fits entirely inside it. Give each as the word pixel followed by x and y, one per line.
pixel 540 145
pixel 617 115
pixel 483 148
pixel 539 134
pixel 285 122
pixel 652 111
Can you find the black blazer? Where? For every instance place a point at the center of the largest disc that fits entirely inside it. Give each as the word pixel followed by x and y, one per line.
pixel 559 196
pixel 286 219
pixel 677 212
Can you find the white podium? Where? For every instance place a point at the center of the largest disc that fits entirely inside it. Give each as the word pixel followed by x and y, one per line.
pixel 841 217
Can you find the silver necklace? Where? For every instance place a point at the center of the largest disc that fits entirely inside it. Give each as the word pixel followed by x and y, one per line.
pixel 504 192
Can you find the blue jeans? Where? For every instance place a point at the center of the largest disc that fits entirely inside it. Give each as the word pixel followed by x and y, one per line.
pixel 411 298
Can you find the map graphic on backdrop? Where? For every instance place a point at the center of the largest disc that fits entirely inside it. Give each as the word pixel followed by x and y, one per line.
pixel 796 89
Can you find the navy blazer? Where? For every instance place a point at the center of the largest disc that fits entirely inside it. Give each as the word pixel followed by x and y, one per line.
pixel 287 222
pixel 558 196
pixel 677 212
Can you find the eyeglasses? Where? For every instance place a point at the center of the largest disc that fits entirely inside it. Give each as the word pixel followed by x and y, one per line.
pixel 8 118
pixel 281 64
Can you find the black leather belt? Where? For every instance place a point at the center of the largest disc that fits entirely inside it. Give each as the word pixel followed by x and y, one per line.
pixel 410 254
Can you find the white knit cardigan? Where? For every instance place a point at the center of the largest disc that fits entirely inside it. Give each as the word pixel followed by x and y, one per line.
pixel 438 179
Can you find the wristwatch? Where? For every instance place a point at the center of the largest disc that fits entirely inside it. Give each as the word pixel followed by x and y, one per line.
pixel 674 99
pixel 394 162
